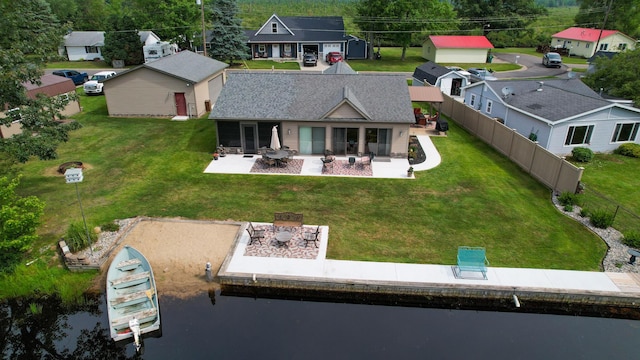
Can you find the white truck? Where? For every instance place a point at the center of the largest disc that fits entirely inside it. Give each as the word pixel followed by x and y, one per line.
pixel 94 85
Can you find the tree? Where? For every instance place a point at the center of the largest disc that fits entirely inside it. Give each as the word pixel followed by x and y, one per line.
pixel 19 219
pixel 369 22
pixel 30 37
pixel 512 15
pixel 623 16
pixel 228 41
pixel 172 20
pixel 618 76
pixel 122 41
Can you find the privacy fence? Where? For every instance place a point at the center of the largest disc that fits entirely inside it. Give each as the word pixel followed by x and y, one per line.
pixel 550 169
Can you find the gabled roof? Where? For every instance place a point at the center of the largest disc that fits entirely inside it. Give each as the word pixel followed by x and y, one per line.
pixel 552 100
pixel 598 54
pixel 185 65
pixel 96 38
pixel 584 34
pixel 50 85
pixel 460 42
pixel 340 67
pixel 313 97
pixel 430 72
pixel 303 28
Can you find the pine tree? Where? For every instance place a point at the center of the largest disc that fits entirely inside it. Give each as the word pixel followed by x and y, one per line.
pixel 122 41
pixel 229 42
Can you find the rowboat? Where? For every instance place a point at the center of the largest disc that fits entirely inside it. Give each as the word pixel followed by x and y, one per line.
pixel 132 298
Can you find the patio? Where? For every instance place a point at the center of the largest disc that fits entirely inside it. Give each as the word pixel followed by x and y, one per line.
pixel 311 165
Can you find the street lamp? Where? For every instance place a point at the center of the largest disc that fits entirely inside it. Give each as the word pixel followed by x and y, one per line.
pixel 204 36
pixel 485 29
pixel 74 176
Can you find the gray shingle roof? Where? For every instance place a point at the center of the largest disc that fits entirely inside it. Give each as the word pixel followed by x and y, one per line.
pixel 85 38
pixel 557 100
pixel 187 65
pixel 306 28
pixel 340 67
pixel 311 97
pixel 430 71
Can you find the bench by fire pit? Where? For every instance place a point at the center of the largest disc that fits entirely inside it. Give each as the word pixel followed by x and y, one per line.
pixel 70 165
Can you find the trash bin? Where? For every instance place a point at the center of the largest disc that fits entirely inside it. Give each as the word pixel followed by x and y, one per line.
pixel 489 58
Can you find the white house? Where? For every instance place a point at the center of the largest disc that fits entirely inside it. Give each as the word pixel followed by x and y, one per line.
pixel 456 49
pixel 559 114
pixel 87 45
pixel 582 41
pixel 449 81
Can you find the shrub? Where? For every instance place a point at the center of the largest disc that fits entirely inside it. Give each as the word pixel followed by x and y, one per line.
pixel 110 227
pixel 568 208
pixel 568 198
pixel 582 154
pixel 601 219
pixel 584 212
pixel 632 239
pixel 628 149
pixel 77 237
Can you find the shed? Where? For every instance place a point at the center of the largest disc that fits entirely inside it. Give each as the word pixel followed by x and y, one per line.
pixel 456 49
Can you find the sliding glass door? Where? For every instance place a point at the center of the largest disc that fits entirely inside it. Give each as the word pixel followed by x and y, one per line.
pixel 378 141
pixel 312 140
pixel 345 141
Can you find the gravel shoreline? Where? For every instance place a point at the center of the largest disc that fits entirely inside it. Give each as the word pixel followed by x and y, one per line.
pixel 617 258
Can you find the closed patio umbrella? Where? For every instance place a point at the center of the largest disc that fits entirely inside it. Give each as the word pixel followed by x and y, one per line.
pixel 275 140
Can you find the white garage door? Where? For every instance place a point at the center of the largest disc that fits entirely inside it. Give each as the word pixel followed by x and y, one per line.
pixel 327 48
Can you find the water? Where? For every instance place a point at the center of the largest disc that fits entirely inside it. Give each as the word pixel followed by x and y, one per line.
pixel 226 327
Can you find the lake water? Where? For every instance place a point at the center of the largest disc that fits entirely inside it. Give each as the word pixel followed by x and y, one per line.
pixel 227 327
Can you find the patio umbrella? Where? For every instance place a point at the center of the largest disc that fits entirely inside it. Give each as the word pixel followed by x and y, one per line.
pixel 275 140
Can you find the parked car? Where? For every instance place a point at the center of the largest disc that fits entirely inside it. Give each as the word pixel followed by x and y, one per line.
pixel 309 60
pixel 334 57
pixel 77 77
pixel 459 70
pixel 552 59
pixel 481 75
pixel 94 86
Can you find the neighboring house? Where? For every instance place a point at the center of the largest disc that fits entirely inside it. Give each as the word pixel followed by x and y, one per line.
pixel 582 41
pixel 345 113
pixel 559 114
pixel 449 81
pixel 87 45
pixel 184 84
pixel 292 37
pixel 340 67
pixel 592 60
pixel 456 49
pixel 51 85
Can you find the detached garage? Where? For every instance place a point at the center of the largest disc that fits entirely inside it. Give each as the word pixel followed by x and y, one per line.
pixel 456 49
pixel 184 85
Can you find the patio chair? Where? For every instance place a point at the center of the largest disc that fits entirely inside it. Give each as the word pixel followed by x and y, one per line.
pixel 255 235
pixel 311 236
pixel 269 162
pixel 365 161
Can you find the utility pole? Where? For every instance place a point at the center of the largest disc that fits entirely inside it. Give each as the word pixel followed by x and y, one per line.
pixel 604 23
pixel 204 34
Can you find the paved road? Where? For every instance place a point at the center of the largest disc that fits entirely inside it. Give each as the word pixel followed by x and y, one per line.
pixel 532 67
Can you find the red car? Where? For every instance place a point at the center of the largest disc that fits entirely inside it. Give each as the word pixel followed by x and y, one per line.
pixel 334 57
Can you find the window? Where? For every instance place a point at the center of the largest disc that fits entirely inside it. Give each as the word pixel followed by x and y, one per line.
pixel 91 49
pixel 472 100
pixel 604 47
pixel 625 132
pixel 622 46
pixel 14 114
pixel 587 45
pixel 489 106
pixel 274 27
pixel 578 135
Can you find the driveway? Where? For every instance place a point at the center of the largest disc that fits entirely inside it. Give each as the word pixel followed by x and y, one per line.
pixel 532 67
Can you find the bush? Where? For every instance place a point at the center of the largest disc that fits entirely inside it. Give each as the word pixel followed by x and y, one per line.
pixel 601 219
pixel 632 239
pixel 76 237
pixel 628 149
pixel 582 154
pixel 113 227
pixel 568 198
pixel 584 212
pixel 568 208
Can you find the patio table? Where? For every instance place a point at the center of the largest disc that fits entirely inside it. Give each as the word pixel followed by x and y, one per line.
pixel 277 155
pixel 282 238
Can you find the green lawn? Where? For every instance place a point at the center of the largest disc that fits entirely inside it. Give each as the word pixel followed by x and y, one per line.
pixel 153 167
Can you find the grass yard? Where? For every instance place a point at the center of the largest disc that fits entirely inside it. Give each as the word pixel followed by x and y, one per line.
pixel 153 167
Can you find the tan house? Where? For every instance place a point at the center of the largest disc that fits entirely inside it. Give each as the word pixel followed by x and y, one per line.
pixel 183 85
pixel 583 41
pixel 456 49
pixel 50 85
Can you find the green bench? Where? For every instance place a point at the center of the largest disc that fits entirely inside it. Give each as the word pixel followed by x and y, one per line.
pixel 471 259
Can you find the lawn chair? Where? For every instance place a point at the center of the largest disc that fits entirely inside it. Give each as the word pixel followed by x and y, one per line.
pixel 255 235
pixel 365 161
pixel 311 236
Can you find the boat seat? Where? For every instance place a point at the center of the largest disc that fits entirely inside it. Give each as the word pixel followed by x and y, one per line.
pixel 132 299
pixel 135 279
pixel 128 264
pixel 142 316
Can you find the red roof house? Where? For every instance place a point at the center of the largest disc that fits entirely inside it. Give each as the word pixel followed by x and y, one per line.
pixel 583 41
pixel 456 48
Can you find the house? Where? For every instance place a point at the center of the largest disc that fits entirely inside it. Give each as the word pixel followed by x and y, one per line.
pixel 340 67
pixel 292 37
pixel 346 113
pixel 87 45
pixel 184 84
pixel 50 85
pixel 559 114
pixel 583 41
pixel 449 81
pixel 456 48
pixel 592 60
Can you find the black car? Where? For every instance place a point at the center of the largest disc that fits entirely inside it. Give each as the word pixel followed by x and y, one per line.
pixel 551 59
pixel 309 60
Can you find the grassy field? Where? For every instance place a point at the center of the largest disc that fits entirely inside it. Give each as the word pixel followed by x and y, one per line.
pixel 153 167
